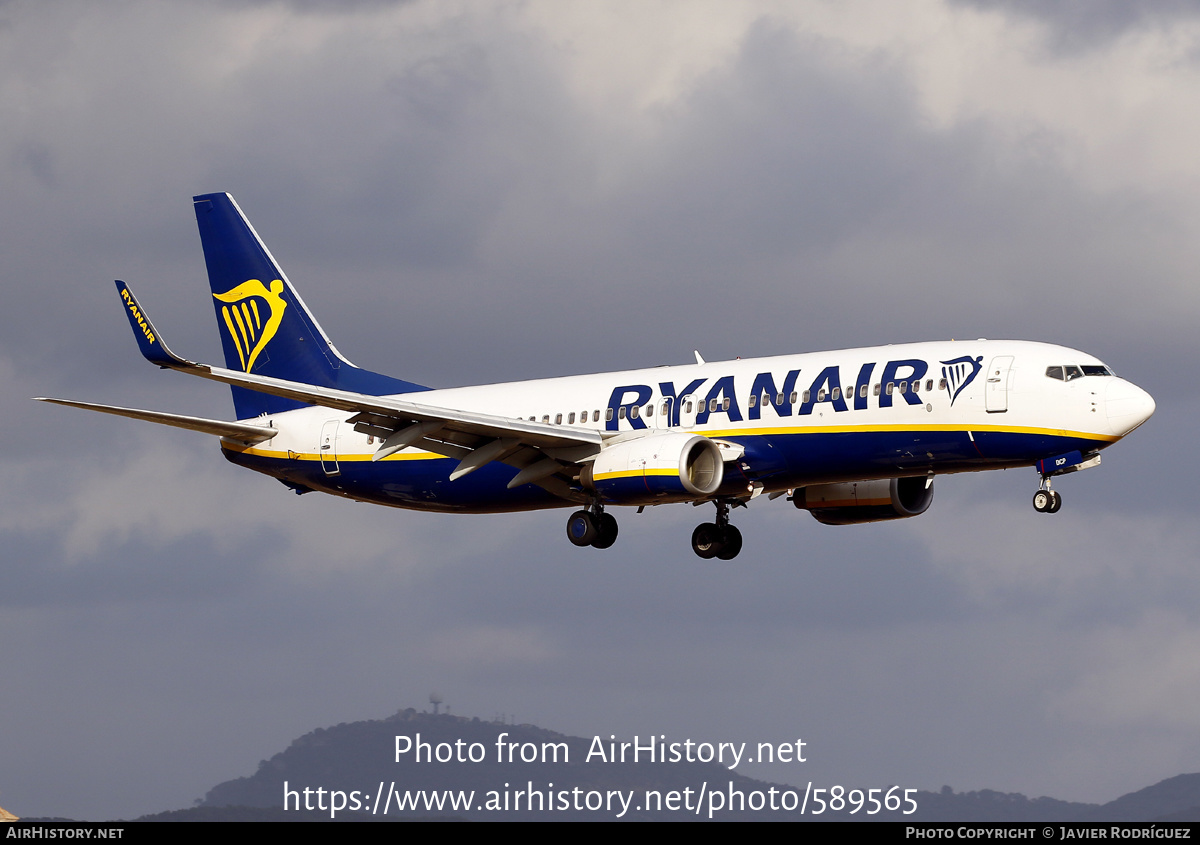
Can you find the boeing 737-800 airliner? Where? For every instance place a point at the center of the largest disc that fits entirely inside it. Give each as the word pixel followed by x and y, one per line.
pixel 855 435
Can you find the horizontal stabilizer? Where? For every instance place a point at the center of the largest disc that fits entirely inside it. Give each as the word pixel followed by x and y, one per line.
pixel 245 432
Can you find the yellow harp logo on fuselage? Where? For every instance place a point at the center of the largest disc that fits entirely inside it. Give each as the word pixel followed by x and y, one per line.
pixel 245 320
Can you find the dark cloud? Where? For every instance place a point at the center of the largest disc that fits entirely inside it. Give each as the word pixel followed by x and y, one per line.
pixel 1079 25
pixel 455 210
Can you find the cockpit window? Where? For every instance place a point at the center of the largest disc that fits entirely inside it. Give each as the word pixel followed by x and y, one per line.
pixel 1070 371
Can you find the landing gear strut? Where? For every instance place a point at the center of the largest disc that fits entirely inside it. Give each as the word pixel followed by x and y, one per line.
pixel 592 527
pixel 717 539
pixel 1046 500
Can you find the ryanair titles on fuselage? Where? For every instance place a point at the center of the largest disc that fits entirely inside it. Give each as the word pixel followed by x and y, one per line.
pixel 899 379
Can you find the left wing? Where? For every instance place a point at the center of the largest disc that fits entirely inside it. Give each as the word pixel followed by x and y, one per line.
pixel 245 432
pixel 540 451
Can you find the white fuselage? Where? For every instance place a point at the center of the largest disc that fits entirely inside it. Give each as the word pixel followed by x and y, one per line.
pixel 873 412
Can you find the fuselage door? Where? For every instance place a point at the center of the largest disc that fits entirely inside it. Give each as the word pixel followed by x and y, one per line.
pixel 998 375
pixel 662 416
pixel 328 447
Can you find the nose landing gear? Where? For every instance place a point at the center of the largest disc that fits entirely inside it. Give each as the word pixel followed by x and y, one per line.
pixel 1046 500
pixel 717 539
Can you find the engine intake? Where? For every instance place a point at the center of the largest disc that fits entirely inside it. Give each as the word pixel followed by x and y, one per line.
pixel 656 468
pixel 854 502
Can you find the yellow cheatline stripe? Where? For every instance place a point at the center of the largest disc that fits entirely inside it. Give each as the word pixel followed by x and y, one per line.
pixel 316 456
pixel 901 427
pixel 233 334
pixel 432 456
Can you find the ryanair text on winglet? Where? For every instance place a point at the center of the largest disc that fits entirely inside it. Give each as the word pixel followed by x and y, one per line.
pixel 131 303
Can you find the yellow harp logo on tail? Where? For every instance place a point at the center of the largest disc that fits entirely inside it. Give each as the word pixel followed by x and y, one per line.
pixel 250 329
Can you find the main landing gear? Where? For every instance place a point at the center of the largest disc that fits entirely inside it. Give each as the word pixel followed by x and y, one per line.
pixel 1046 500
pixel 592 527
pixel 717 539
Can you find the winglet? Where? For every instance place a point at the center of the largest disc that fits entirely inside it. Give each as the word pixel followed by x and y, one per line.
pixel 152 346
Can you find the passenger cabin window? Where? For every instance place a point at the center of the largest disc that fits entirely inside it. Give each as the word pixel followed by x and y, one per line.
pixel 621 412
pixel 793 397
pixel 571 418
pixel 807 396
pixel 928 385
pixel 650 410
pixel 635 412
pixel 862 392
pixel 752 401
pixel 546 418
pixel 890 386
pixel 942 384
pixel 778 399
pixel 821 395
pixel 725 404
pixel 837 393
pixel 596 416
pixel 607 415
pixel 558 419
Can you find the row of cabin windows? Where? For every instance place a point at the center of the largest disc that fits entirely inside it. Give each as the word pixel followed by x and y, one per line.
pixel 891 387
pixel 723 404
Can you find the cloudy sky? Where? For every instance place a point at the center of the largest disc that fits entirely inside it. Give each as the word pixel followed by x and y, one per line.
pixel 470 193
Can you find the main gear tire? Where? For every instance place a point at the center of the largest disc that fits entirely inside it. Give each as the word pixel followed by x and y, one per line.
pixel 582 529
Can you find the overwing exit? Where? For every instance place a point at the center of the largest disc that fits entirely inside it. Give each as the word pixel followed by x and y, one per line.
pixel 852 436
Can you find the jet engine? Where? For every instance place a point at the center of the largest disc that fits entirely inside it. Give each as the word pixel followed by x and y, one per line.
pixel 655 468
pixel 852 502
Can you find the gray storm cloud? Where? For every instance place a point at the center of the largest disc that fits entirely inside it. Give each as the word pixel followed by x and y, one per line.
pixel 469 193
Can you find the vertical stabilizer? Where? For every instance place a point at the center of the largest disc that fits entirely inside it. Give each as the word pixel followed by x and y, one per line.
pixel 265 327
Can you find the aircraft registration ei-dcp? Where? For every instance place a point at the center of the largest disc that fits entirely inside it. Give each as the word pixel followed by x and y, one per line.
pixel 852 436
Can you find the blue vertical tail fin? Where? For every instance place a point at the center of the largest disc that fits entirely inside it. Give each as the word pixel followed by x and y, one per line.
pixel 265 327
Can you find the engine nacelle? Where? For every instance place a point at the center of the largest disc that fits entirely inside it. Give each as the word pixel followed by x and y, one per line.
pixel 656 468
pixel 852 502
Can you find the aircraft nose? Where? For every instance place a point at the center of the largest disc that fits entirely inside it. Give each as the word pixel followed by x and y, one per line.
pixel 1127 405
